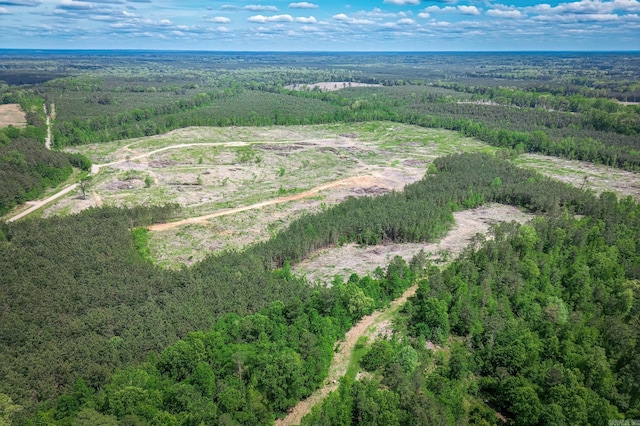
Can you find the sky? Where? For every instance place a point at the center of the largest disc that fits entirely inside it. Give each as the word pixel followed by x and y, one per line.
pixel 280 25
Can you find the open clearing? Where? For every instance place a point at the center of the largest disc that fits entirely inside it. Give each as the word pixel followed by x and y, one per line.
pixel 330 86
pixel 352 258
pixel 288 171
pixel 594 177
pixel 239 185
pixel 12 115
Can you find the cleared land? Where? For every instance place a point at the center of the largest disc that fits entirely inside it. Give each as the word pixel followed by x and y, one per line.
pixel 238 185
pixel 12 115
pixel 352 258
pixel 594 177
pixel 287 171
pixel 330 86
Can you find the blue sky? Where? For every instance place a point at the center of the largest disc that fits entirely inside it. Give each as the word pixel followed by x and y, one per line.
pixel 273 25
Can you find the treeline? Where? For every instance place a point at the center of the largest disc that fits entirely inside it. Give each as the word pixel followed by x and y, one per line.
pixel 27 168
pixel 34 114
pixel 531 130
pixel 537 324
pixel 551 316
pixel 599 113
pixel 599 130
pixel 128 124
pixel 79 299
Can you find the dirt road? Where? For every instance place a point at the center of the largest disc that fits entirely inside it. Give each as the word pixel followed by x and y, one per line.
pixel 47 140
pixel 311 192
pixel 341 360
pixel 37 204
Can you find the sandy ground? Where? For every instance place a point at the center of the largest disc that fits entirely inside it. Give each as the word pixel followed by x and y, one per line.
pixel 47 141
pixel 582 174
pixel 349 259
pixel 12 114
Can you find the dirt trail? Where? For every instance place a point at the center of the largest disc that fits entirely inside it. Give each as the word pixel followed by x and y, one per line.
pixel 47 140
pixel 352 181
pixel 37 204
pixel 341 360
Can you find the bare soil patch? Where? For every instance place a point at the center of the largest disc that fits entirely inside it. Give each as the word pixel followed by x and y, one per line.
pixel 582 174
pixel 330 86
pixel 351 258
pixel 12 115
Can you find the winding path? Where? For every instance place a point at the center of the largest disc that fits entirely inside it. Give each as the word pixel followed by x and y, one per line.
pixel 309 193
pixel 37 204
pixel 341 359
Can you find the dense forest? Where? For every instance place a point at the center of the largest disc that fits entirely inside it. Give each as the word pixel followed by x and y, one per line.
pixel 534 324
pixel 27 169
pixel 539 322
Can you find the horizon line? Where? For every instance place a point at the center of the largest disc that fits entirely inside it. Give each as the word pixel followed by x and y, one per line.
pixel 308 51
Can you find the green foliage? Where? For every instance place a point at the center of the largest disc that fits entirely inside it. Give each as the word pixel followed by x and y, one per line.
pixel 80 161
pixel 26 169
pixel 7 409
pixel 141 242
pixel 245 369
pixel 544 347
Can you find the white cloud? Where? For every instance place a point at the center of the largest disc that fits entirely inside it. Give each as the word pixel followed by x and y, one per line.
pixel 4 11
pixel 355 21
pixel 406 21
pixel 165 22
pixel 402 2
pixel 260 8
pixel 498 13
pixel 75 5
pixel 275 18
pixel 303 5
pixel 578 17
pixel 468 10
pixel 219 20
pixel 309 20
pixel 424 15
pixel 436 9
pixel 588 7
